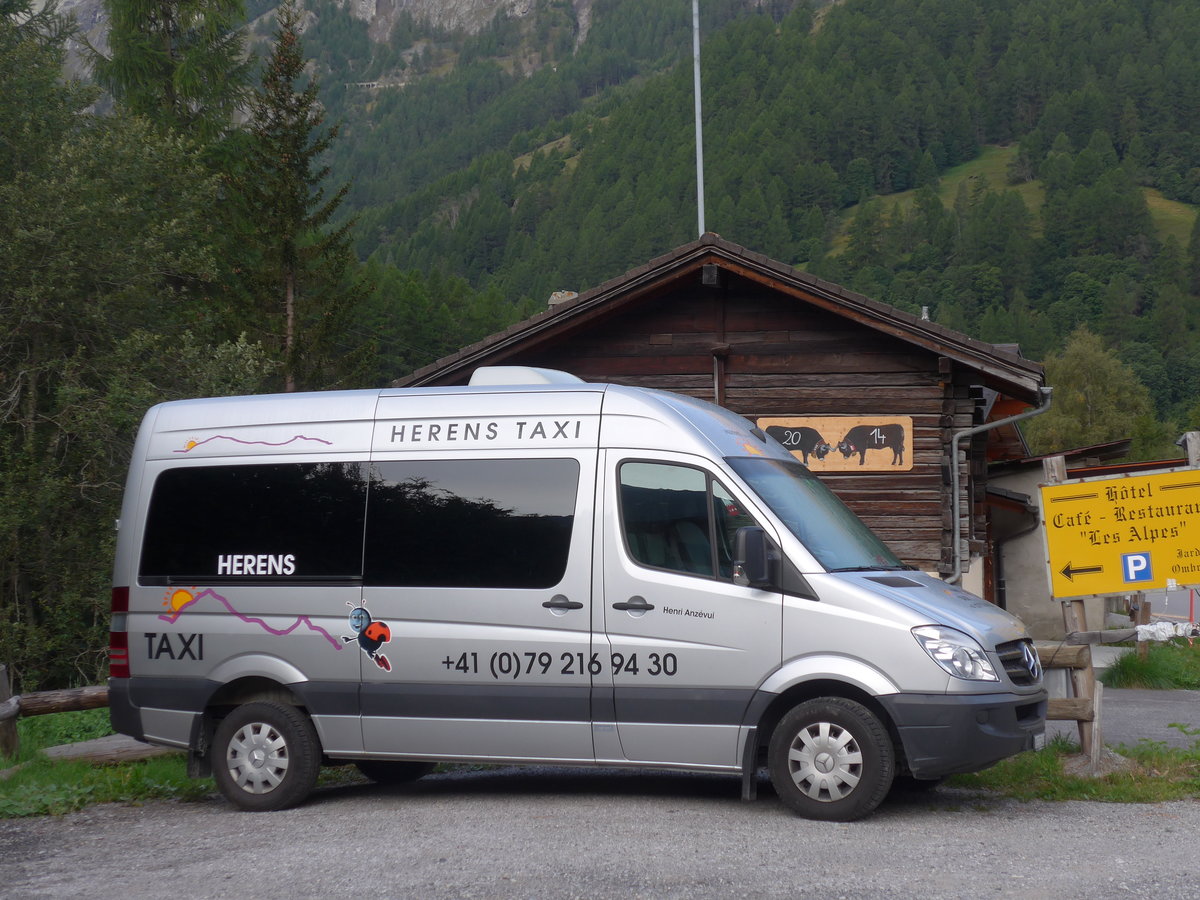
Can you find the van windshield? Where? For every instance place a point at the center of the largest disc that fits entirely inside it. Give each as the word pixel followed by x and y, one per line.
pixel 827 528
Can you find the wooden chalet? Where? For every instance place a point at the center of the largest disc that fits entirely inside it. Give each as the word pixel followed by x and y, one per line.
pixel 790 351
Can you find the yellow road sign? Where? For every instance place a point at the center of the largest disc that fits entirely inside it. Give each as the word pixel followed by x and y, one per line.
pixel 1123 534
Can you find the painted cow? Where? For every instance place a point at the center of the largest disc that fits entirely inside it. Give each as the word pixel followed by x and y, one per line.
pixel 803 440
pixel 862 438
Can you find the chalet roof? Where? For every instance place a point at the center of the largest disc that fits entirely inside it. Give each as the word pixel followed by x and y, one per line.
pixel 1078 459
pixel 1000 369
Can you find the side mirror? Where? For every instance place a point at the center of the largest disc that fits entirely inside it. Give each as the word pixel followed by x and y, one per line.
pixel 752 558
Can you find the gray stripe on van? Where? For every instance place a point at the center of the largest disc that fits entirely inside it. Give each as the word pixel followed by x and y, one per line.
pixel 682 706
pixel 671 706
pixel 330 698
pixel 547 703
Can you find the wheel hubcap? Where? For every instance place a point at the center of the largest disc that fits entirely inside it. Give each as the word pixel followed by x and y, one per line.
pixel 825 762
pixel 257 758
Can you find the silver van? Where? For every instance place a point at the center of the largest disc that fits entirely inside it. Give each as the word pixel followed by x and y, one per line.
pixel 532 569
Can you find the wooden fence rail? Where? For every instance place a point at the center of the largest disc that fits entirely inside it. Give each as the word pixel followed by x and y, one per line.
pixel 40 704
pixel 1073 658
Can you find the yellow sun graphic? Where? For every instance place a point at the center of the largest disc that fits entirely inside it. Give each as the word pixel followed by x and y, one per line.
pixel 178 599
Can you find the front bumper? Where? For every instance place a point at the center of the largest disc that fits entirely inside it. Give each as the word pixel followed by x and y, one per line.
pixel 943 734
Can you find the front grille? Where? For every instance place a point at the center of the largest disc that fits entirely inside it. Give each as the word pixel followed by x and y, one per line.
pixel 1020 662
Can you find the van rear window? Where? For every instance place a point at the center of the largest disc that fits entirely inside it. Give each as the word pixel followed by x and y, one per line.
pixel 258 523
pixel 501 523
pixel 498 523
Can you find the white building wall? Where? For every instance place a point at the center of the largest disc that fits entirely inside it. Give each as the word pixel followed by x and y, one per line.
pixel 1026 572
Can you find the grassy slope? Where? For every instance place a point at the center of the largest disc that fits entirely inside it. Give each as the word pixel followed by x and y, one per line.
pixel 1171 217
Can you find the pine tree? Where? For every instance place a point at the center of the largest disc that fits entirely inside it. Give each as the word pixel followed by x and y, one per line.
pixel 180 63
pixel 1193 257
pixel 866 232
pixel 303 278
pixel 36 107
pixel 104 246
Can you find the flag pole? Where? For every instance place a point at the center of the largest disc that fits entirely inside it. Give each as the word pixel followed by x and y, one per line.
pixel 699 129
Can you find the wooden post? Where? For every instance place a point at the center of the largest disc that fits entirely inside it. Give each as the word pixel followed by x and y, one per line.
pixel 1054 469
pixel 1191 444
pixel 9 743
pixel 1139 613
pixel 1083 680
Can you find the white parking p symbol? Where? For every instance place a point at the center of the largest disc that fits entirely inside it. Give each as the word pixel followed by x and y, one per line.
pixel 1137 567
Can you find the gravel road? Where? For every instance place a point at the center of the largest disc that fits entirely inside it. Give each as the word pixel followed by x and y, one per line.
pixel 509 833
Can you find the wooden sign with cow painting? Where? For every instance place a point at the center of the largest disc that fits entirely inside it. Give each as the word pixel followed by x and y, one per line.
pixel 846 443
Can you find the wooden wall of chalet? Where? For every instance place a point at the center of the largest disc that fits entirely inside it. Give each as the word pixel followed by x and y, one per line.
pixel 763 353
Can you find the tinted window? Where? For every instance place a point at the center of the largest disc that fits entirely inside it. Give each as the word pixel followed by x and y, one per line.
pixel 255 523
pixel 827 528
pixel 470 523
pixel 678 518
pixel 729 517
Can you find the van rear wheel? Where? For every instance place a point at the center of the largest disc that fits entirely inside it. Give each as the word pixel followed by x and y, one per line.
pixel 267 756
pixel 831 759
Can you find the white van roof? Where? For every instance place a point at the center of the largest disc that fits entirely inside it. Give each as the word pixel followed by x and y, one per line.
pixel 496 375
pixel 357 422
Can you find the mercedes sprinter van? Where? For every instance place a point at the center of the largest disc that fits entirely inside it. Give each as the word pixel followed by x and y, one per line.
pixel 532 569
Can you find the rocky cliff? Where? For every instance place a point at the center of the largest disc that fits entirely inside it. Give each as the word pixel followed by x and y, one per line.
pixel 447 15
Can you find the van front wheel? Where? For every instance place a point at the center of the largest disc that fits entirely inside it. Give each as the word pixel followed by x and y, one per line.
pixel 831 759
pixel 267 756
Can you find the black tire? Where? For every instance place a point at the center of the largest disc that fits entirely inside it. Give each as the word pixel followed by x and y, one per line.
pixel 394 771
pixel 266 756
pixel 831 759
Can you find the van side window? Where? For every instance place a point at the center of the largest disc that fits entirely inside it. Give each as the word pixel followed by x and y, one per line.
pixel 255 523
pixel 678 518
pixel 496 523
pixel 729 517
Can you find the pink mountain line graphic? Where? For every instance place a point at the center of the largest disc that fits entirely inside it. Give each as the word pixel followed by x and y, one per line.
pixel 173 616
pixel 192 445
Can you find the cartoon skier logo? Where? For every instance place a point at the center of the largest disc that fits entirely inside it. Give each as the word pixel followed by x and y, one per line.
pixel 371 635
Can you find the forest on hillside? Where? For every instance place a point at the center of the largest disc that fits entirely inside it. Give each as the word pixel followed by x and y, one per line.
pixel 238 213
pixel 576 173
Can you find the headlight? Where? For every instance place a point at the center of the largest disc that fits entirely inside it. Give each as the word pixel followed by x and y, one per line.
pixel 955 652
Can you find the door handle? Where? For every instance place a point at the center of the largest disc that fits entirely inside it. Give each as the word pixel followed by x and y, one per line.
pixel 558 601
pixel 634 604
